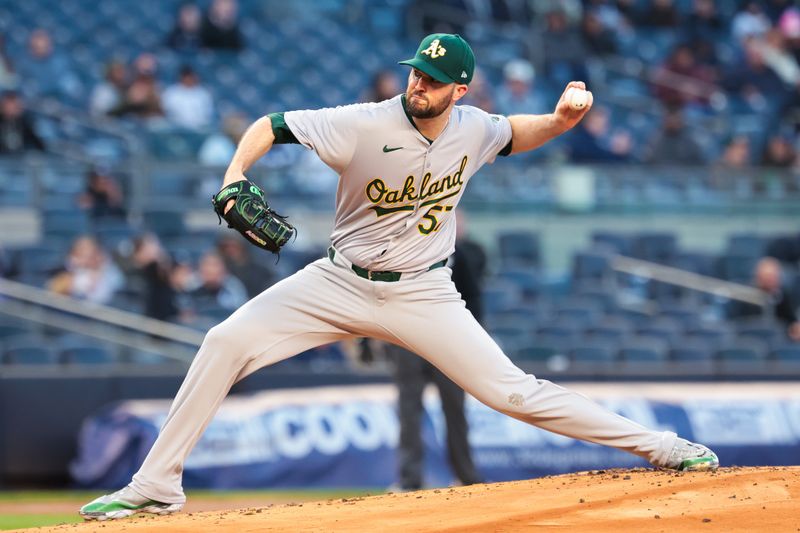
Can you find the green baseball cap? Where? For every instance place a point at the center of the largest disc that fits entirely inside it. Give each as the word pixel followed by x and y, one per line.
pixel 444 57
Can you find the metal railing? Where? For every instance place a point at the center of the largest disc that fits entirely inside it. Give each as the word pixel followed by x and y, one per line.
pixel 689 280
pixel 127 329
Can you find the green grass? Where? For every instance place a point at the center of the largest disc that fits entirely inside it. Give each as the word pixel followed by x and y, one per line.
pixel 78 498
pixel 20 521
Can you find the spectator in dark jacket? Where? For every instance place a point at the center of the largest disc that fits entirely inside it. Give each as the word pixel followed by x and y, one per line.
pixel 221 26
pixel 674 145
pixel 103 196
pixel 238 259
pixel 185 36
pixel 769 278
pixel 17 132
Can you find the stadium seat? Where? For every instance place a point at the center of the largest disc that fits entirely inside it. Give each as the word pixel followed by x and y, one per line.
pixel 742 350
pixel 594 348
pixel 64 223
pixel 691 350
pixel 789 352
pixel 644 348
pixel 590 266
pixel 87 355
pixel 659 247
pixel 29 350
pixel 519 248
pixel 620 243
pixel 165 223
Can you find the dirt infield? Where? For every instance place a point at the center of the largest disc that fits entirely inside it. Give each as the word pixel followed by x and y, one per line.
pixel 733 499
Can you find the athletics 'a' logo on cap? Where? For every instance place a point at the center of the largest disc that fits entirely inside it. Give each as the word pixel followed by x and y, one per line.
pixel 464 74
pixel 434 50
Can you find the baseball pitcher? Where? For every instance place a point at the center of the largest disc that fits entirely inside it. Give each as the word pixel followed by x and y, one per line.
pixel 403 165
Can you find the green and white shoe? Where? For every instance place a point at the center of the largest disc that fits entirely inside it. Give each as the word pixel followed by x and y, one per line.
pixel 691 457
pixel 123 503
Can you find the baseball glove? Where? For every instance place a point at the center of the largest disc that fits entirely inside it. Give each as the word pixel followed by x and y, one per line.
pixel 251 216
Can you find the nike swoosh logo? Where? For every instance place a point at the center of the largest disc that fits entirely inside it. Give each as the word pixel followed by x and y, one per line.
pixel 386 148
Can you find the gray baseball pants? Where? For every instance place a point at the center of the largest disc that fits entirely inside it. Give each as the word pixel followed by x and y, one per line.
pixel 422 312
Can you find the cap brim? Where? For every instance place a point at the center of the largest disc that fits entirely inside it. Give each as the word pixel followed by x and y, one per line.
pixel 428 69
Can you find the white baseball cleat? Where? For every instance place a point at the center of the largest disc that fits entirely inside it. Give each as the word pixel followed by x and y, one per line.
pixel 691 457
pixel 123 503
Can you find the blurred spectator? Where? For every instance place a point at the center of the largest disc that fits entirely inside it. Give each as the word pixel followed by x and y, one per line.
pixel 384 86
pixel 517 95
pixel 592 141
pixel 221 26
pixel 704 21
pixel 660 14
pixel 218 149
pixel 109 94
pixel 564 51
pixel 775 8
pixel 736 153
pixel 143 97
pixel 597 38
pixel 238 258
pixel 8 75
pixel 608 14
pixel 216 287
pixel 185 35
pixel 47 73
pixel 755 83
pixel 480 93
pixel 154 266
pixel 769 278
pixel 778 152
pixel 682 80
pixel 775 52
pixel 789 24
pixel 103 196
pixel 750 21
pixel 88 273
pixel 674 145
pixel 188 104
pixel 17 131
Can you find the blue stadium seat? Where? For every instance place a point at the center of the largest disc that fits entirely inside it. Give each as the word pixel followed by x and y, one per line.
pixel 29 350
pixel 656 246
pixel 520 248
pixel 788 352
pixel 691 350
pixel 64 223
pixel 620 243
pixel 165 223
pixel 524 278
pixel 742 350
pixel 606 333
pixel 41 259
pixel 766 330
pixel 738 268
pixel 644 348
pixel 594 348
pixel 684 313
pixel 714 335
pixel 87 355
pixel 500 296
pixel 745 244
pixel 8 331
pixel 590 266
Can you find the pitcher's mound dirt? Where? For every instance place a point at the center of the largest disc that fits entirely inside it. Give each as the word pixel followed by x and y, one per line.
pixel 732 499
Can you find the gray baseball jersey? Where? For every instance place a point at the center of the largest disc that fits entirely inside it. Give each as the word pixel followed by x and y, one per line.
pixel 397 190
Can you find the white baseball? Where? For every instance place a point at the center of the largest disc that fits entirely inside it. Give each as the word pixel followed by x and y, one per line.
pixel 577 98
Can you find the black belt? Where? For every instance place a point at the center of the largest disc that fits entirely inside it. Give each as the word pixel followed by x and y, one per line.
pixel 383 275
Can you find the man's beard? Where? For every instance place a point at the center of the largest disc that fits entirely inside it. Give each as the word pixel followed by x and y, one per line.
pixel 417 109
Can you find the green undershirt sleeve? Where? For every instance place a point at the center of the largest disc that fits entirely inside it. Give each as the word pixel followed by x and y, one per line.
pixel 506 150
pixel 283 135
